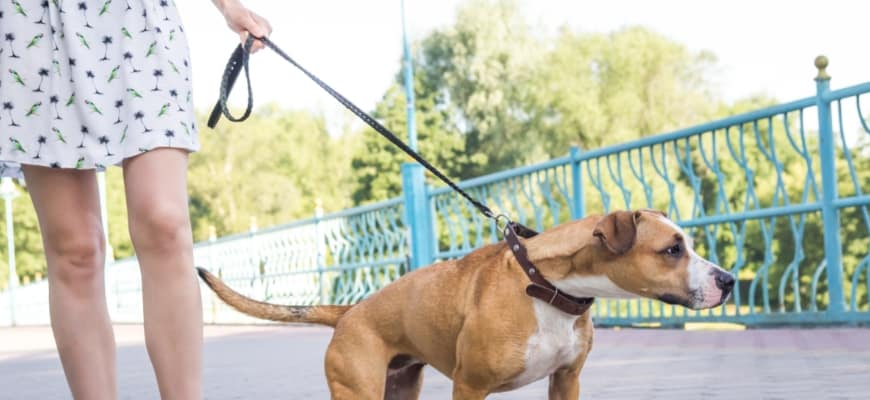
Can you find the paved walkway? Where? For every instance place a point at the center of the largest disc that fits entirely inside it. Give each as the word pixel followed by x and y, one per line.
pixel 276 362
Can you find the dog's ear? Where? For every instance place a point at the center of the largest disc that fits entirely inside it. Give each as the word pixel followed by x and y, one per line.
pixel 654 211
pixel 617 230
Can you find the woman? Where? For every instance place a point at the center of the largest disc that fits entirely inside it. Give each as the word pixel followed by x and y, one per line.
pixel 84 85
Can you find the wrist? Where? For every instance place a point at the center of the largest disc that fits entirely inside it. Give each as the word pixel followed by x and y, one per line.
pixel 222 5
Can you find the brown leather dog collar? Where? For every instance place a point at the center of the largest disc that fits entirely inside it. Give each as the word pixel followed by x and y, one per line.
pixel 541 288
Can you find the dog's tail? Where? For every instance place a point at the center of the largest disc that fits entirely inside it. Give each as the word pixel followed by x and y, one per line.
pixel 323 315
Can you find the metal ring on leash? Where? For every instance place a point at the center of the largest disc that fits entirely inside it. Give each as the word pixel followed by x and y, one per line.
pixel 499 219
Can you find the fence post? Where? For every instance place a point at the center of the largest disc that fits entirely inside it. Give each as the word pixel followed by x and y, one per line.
pixel 578 206
pixel 417 215
pixel 320 242
pixel 8 192
pixel 830 213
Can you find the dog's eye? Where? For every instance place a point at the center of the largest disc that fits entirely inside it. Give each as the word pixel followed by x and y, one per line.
pixel 675 250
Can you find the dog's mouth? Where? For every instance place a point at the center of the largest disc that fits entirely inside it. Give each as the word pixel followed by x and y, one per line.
pixel 675 300
pixel 696 300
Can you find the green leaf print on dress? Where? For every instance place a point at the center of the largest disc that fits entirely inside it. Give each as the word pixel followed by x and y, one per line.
pixel 89 83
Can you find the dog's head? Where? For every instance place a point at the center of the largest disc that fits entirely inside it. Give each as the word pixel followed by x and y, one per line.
pixel 646 254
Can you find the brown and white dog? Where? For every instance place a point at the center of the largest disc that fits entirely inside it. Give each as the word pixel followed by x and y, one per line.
pixel 471 320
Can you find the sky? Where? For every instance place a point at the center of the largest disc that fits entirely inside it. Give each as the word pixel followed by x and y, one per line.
pixel 763 46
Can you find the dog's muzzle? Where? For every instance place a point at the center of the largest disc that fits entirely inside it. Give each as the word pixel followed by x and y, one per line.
pixel 725 283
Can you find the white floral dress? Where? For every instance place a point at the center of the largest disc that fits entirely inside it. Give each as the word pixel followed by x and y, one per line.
pixel 86 84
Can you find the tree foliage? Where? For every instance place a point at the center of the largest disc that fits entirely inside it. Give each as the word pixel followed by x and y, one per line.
pixel 492 95
pixel 275 168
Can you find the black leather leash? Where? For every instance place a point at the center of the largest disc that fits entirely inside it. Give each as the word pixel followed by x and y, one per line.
pixel 540 288
pixel 239 60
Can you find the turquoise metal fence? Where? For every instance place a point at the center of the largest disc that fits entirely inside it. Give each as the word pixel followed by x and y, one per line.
pixel 778 196
pixel 334 259
pixel 777 200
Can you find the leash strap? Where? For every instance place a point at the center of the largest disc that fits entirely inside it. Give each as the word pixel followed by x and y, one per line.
pixel 240 59
pixel 541 288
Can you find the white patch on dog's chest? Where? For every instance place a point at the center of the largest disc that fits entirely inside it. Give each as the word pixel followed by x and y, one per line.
pixel 555 344
pixel 592 286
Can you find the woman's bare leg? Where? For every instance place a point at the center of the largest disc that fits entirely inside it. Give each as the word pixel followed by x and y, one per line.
pixel 68 209
pixel 157 203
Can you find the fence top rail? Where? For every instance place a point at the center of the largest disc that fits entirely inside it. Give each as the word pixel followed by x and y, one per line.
pixel 723 123
pixel 500 176
pixel 351 212
pixel 647 141
pixel 847 92
pixel 290 225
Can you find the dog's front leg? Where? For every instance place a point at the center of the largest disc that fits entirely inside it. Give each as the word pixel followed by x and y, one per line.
pixel 565 384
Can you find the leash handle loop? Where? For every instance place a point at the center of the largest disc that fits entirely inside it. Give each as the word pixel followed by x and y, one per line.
pixel 238 60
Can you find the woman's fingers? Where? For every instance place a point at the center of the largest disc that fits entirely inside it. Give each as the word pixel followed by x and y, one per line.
pixel 262 22
pixel 256 46
pixel 242 20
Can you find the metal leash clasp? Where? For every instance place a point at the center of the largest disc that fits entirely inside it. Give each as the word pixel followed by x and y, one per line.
pixel 502 223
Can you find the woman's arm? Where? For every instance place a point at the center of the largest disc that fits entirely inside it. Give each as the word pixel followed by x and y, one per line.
pixel 242 20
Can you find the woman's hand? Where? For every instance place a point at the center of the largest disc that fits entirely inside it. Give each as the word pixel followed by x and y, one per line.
pixel 243 21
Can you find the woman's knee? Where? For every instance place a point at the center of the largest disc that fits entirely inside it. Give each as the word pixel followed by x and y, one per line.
pixel 77 258
pixel 162 227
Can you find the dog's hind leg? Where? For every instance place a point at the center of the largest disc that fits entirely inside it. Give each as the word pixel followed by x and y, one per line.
pixel 404 383
pixel 356 366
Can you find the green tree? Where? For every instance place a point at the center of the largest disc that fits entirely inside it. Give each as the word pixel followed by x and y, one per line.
pixel 29 261
pixel 274 168
pixel 377 162
pixel 491 95
pixel 603 89
pixel 468 82
pixel 483 70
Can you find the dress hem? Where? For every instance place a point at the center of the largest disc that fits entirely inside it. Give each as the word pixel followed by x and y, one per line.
pixel 11 167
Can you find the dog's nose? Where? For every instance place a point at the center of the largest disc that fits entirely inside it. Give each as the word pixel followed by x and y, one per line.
pixel 724 281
